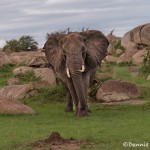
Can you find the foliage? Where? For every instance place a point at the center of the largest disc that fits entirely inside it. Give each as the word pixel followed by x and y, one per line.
pixel 118 45
pixel 94 88
pixel 57 33
pixel 5 74
pixel 27 77
pixel 146 63
pixel 51 94
pixel 25 43
pixel 125 64
pixel 12 46
pixel 28 43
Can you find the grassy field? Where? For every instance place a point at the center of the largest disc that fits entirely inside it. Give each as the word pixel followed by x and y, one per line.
pixel 107 126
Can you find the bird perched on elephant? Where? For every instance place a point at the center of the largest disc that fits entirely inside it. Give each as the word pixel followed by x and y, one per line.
pixel 75 58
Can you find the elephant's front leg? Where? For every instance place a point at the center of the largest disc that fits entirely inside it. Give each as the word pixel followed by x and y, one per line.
pixel 86 82
pixel 69 103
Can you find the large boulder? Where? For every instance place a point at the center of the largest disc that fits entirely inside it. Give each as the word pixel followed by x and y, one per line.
pixel 20 58
pixel 111 59
pixel 13 106
pixel 13 81
pixel 31 93
pixel 126 57
pixel 25 57
pixel 138 57
pixel 148 77
pixel 15 91
pixel 38 61
pixel 112 38
pixel 4 59
pixel 127 42
pixel 102 76
pixel 137 37
pixel 22 70
pixel 141 34
pixel 46 74
pixel 40 84
pixel 111 50
pixel 115 90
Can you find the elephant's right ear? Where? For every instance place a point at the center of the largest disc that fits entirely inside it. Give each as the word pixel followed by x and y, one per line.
pixel 53 52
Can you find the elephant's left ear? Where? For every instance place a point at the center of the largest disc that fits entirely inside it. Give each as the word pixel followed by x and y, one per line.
pixel 97 45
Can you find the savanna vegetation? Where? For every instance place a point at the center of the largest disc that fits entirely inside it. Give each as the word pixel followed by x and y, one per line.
pixel 108 126
pixel 24 43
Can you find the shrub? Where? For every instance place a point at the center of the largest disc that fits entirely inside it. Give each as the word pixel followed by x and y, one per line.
pixel 118 45
pixel 12 46
pixel 27 78
pixel 60 32
pixel 25 43
pixel 146 63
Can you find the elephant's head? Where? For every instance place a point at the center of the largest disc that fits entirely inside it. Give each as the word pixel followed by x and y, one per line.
pixel 75 53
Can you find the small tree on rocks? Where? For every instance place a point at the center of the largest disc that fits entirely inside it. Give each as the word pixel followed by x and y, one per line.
pixel 25 43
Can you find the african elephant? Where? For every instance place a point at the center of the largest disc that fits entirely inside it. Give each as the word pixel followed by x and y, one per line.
pixel 75 57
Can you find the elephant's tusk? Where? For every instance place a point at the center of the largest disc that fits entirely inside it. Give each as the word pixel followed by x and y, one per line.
pixel 68 73
pixel 83 69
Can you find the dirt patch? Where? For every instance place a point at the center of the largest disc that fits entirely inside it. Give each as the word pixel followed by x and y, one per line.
pixel 56 142
pixel 129 102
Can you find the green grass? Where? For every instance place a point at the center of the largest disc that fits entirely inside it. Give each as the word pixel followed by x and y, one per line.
pixel 107 126
pixel 122 73
pixel 47 95
pixel 5 74
pixel 27 77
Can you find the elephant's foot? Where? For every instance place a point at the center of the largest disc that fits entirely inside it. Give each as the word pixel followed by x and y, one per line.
pixel 82 113
pixel 89 110
pixel 68 109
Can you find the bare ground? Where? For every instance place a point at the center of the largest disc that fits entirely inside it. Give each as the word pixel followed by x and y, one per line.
pixel 56 142
pixel 129 102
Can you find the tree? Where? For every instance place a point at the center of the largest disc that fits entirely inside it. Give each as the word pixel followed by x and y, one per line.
pixel 25 43
pixel 12 46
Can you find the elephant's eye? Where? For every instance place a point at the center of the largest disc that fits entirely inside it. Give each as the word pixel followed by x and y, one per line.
pixel 63 51
pixel 82 49
pixel 84 55
pixel 63 55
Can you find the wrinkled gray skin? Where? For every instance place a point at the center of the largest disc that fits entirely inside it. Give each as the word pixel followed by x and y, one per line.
pixel 70 52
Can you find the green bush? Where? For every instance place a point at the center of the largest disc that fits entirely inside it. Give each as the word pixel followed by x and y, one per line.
pixel 50 94
pixel 5 74
pixel 146 63
pixel 27 78
pixel 12 46
pixel 25 43
pixel 118 45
